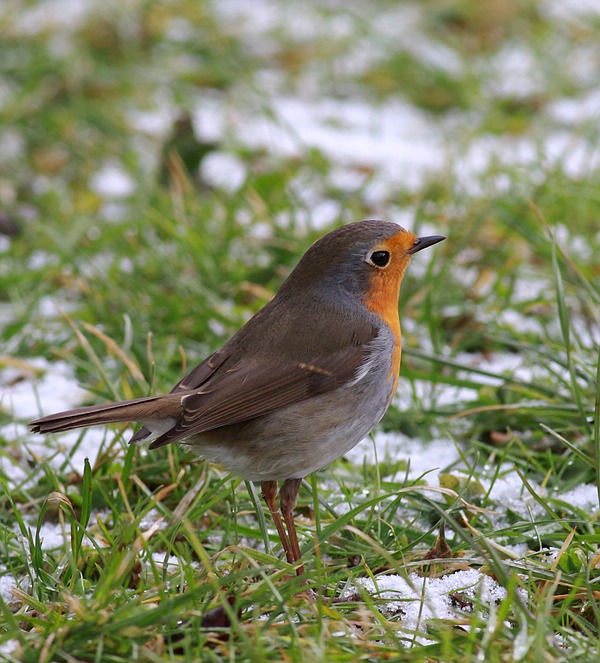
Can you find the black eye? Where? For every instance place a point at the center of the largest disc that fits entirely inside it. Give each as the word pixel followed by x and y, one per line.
pixel 380 258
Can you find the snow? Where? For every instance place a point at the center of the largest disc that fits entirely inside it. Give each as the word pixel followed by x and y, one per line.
pixel 112 181
pixel 8 647
pixel 32 388
pixel 402 144
pixel 49 15
pixel 380 149
pixel 396 139
pixel 417 600
pixel 423 458
pixel 53 536
pixel 223 170
pixel 567 10
pixel 584 497
pixel 516 72
pixel 36 381
pixel 7 584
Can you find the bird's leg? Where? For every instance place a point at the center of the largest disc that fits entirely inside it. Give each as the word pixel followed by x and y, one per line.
pixel 269 493
pixel 288 496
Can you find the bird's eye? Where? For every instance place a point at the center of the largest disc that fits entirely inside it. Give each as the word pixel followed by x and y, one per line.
pixel 379 258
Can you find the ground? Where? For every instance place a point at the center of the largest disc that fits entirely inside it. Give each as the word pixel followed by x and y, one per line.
pixel 162 168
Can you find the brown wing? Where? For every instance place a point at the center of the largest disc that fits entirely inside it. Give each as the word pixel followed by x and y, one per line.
pixel 193 380
pixel 253 390
pixel 199 375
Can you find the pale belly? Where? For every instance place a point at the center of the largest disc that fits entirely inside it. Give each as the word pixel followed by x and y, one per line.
pixel 302 438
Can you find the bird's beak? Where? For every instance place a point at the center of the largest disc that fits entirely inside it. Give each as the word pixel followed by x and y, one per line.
pixel 423 242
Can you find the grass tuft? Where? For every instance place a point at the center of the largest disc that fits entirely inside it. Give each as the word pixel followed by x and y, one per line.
pixel 162 168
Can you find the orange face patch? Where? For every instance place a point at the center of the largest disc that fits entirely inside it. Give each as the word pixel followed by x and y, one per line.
pixel 384 289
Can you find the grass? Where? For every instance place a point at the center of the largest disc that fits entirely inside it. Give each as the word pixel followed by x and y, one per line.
pixel 166 558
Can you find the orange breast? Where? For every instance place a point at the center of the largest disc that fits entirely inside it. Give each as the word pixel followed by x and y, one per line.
pixel 383 301
pixel 384 291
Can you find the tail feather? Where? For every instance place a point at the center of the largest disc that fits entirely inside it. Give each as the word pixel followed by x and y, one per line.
pixel 139 409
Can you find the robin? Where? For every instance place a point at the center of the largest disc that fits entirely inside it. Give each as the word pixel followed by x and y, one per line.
pixel 300 384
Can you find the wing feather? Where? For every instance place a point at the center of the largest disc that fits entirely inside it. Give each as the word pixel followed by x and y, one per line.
pixel 257 388
pixel 193 380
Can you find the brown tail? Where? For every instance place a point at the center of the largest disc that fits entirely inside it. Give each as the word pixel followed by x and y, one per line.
pixel 139 409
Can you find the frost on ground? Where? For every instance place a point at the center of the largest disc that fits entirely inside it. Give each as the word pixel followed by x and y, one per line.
pixel 7 584
pixel 414 601
pixel 49 388
pixel 33 388
pixel 402 144
pixel 423 459
pixel 507 497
